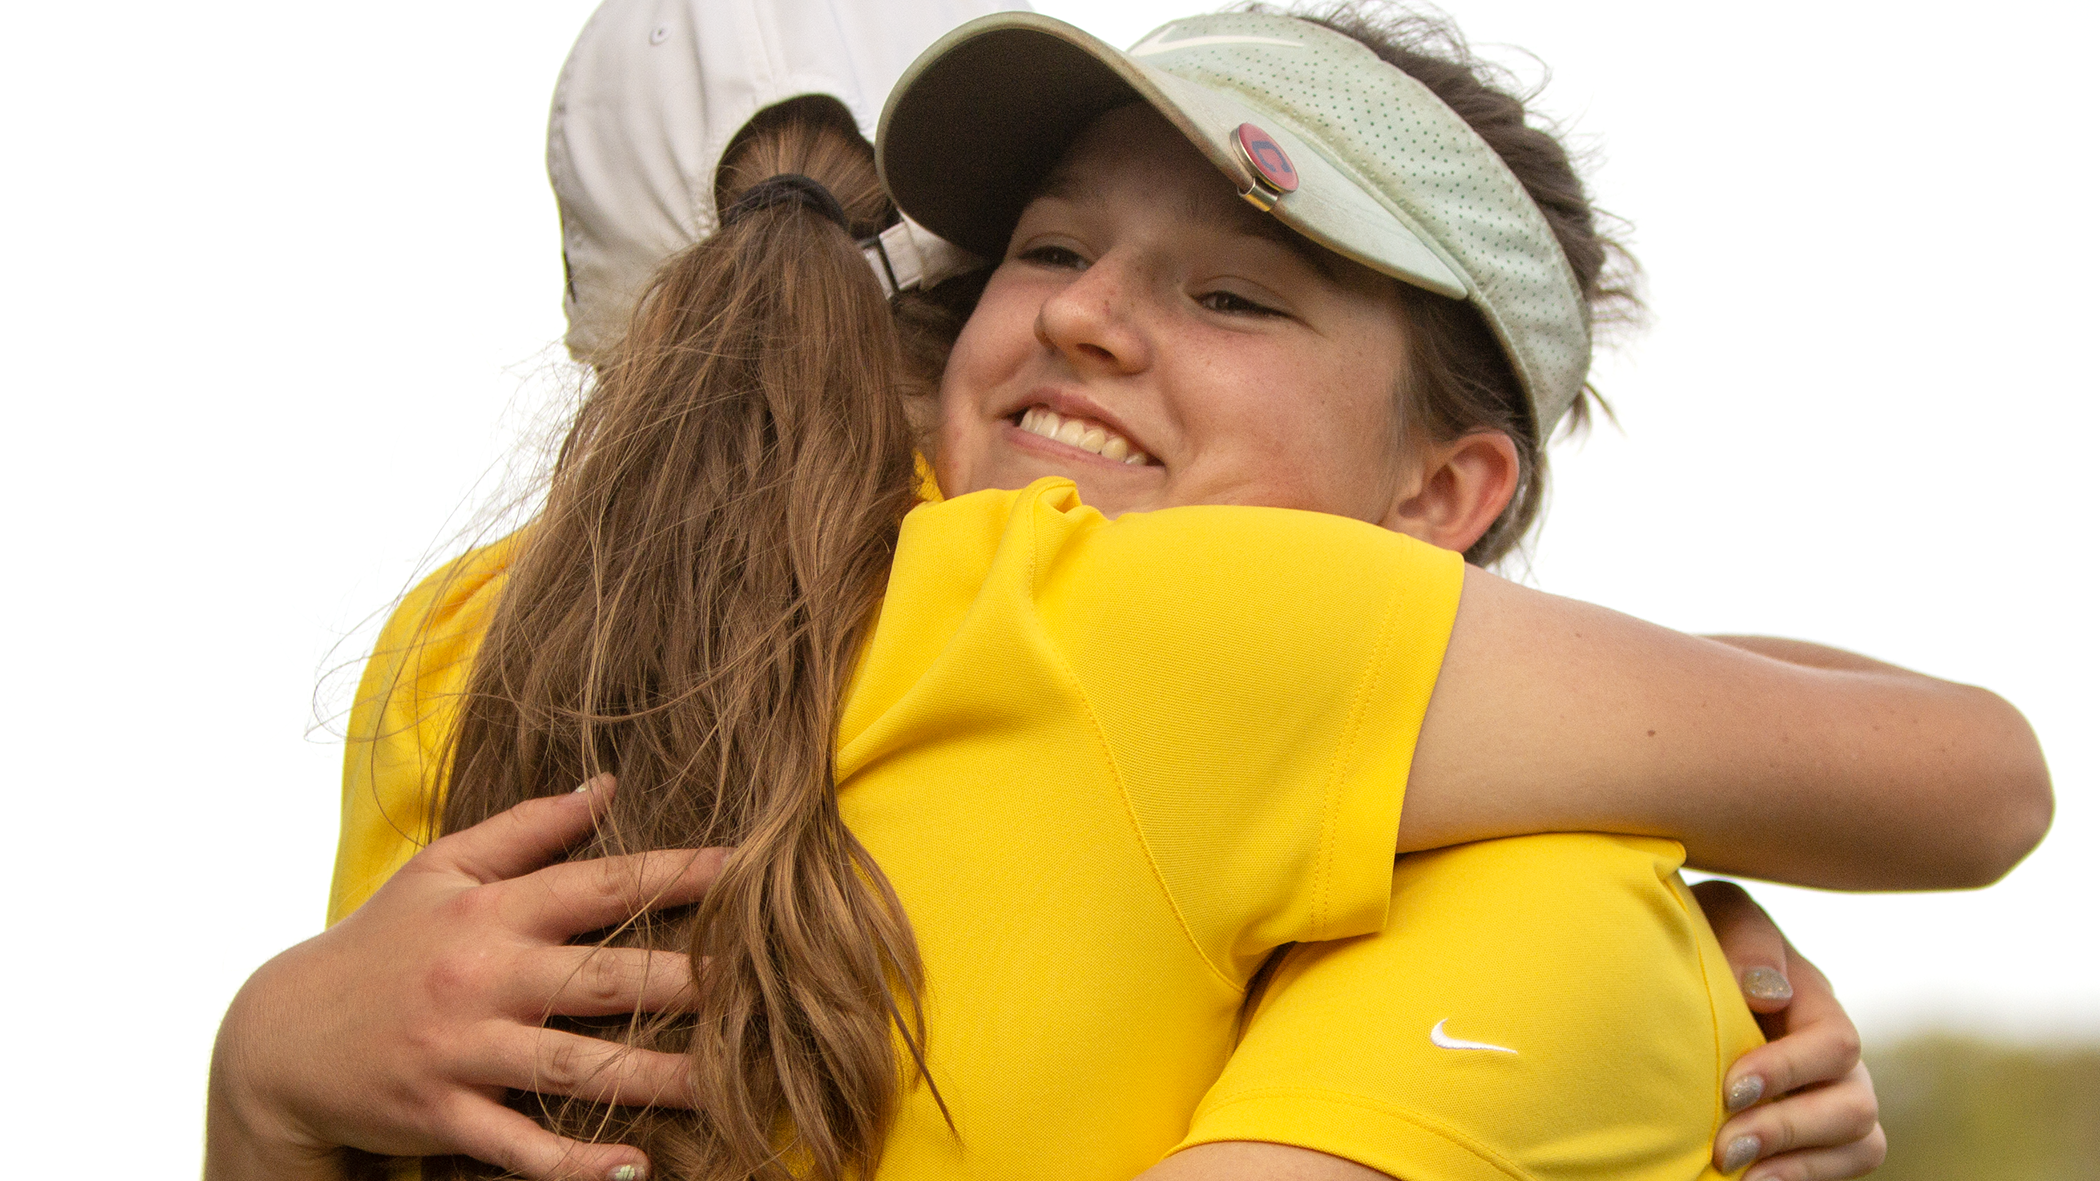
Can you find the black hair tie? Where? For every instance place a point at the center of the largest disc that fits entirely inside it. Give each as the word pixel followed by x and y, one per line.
pixel 788 188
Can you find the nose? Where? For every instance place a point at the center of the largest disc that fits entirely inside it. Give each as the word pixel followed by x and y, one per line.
pixel 1095 319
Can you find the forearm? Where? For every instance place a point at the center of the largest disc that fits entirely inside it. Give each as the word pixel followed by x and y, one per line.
pixel 1977 755
pixel 1767 758
pixel 1246 1160
pixel 1879 778
pixel 243 1137
pixel 234 1151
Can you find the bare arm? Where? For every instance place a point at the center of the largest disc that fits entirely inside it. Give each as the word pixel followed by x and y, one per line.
pixel 1807 655
pixel 1248 1160
pixel 1767 758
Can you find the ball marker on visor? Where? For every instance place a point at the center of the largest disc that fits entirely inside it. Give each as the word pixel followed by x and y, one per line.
pixel 1271 165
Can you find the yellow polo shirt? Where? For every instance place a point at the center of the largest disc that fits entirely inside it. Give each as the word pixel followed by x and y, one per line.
pixel 1545 1007
pixel 1108 767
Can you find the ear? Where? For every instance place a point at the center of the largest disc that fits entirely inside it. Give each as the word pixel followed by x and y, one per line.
pixel 1462 486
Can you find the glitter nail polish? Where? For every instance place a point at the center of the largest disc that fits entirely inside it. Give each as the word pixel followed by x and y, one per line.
pixel 1766 984
pixel 1745 1091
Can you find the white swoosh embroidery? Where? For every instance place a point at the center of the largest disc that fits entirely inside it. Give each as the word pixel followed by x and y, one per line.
pixel 1158 43
pixel 1437 1036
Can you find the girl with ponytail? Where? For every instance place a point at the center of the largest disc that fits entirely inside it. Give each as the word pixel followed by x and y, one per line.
pixel 1014 807
pixel 685 614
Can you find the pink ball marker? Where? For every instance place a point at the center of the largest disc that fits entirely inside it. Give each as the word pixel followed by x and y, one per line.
pixel 1268 159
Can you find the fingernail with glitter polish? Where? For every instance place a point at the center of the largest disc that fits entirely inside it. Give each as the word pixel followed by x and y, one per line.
pixel 1741 1151
pixel 1745 1091
pixel 1766 984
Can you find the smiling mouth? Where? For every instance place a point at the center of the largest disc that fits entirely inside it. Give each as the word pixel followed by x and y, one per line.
pixel 1083 433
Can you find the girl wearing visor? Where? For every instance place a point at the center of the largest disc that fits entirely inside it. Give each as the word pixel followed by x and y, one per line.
pixel 1019 791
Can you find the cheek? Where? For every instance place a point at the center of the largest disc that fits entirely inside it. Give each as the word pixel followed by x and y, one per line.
pixel 1332 407
pixel 954 447
pixel 999 334
pixel 1366 387
pixel 971 366
pixel 989 350
pixel 1326 430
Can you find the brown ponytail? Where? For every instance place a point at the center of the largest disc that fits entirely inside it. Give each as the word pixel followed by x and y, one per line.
pixel 686 612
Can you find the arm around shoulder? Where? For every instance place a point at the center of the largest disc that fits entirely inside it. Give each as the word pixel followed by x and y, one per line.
pixel 1767 758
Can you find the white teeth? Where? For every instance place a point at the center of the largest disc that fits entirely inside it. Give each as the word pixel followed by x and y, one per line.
pixel 1083 434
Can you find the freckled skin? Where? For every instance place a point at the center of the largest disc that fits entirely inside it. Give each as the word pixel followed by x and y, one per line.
pixel 1142 290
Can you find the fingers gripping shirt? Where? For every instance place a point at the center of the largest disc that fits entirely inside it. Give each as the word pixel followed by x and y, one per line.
pixel 1108 766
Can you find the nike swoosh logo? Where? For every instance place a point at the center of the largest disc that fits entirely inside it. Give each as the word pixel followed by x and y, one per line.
pixel 1158 43
pixel 1438 1037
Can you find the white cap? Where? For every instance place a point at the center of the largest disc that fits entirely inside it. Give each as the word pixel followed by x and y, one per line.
pixel 654 90
pixel 1309 125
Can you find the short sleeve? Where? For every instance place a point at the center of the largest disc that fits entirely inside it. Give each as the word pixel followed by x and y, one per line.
pixel 402 719
pixel 1538 1008
pixel 1258 677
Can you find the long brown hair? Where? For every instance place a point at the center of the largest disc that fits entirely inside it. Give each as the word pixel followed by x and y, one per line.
pixel 685 612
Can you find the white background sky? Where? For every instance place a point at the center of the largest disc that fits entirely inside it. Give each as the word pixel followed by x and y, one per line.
pixel 282 282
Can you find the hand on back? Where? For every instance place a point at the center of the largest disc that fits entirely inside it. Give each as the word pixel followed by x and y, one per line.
pixel 401 1029
pixel 1823 1123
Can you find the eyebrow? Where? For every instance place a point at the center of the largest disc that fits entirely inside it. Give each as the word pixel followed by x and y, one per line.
pixel 1265 226
pixel 1063 185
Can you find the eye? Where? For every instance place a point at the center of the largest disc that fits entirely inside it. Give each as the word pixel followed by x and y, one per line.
pixel 1234 304
pixel 1057 257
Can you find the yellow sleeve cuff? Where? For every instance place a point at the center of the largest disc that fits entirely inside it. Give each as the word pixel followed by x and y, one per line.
pixel 1368 783
pixel 1394 1141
